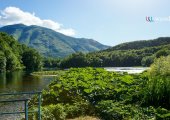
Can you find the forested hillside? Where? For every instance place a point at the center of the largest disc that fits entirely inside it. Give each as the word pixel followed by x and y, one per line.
pixel 138 53
pixel 141 44
pixel 14 55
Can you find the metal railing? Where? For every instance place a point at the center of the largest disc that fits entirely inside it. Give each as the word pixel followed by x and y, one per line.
pixel 25 100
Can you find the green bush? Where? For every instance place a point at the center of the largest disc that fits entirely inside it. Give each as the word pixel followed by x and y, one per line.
pixel 108 95
pixel 162 114
pixel 161 67
pixel 80 90
pixel 157 89
pixel 162 52
pixel 111 110
pixel 147 61
pixel 51 112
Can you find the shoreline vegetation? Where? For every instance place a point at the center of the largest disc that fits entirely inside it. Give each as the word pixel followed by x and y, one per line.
pixel 109 95
pixel 48 73
pixel 129 70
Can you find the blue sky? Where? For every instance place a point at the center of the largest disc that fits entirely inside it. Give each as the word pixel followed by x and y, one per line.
pixel 108 21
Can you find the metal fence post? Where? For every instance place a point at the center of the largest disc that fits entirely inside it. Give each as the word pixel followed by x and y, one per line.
pixel 26 110
pixel 39 106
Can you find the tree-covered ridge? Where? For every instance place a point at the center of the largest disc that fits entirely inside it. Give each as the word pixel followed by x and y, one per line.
pixel 138 53
pixel 116 58
pixel 50 43
pixel 141 44
pixel 14 55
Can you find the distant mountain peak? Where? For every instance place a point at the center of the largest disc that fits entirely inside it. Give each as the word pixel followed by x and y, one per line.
pixel 49 42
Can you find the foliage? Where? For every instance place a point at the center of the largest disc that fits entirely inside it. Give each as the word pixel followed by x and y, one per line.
pixel 108 95
pixel 158 85
pixel 2 62
pixel 32 60
pixel 90 91
pixel 12 54
pixel 56 110
pixel 141 44
pixel 51 112
pixel 74 60
pixel 116 58
pixel 85 118
pixel 51 62
pixel 162 114
pixel 147 61
pixel 161 67
pixel 162 52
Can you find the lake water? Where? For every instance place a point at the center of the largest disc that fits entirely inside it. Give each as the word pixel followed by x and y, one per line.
pixel 20 81
pixel 130 70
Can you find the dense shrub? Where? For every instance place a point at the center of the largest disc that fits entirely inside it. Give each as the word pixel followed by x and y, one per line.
pixel 108 95
pixel 87 91
pixel 147 61
pixel 157 89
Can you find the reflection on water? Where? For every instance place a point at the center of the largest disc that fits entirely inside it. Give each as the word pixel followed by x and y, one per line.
pixel 130 70
pixel 21 81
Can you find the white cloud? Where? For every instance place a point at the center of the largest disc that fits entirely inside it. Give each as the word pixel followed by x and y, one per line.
pixel 14 15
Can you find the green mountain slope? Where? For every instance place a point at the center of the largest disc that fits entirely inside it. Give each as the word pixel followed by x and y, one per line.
pixel 141 44
pixel 138 53
pixel 51 43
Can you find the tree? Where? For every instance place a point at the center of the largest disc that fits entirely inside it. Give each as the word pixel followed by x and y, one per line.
pixel 32 60
pixel 162 52
pixel 12 61
pixel 12 53
pixel 147 61
pixel 75 60
pixel 2 62
pixel 51 62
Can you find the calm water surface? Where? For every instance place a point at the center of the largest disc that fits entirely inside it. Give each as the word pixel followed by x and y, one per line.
pixel 20 81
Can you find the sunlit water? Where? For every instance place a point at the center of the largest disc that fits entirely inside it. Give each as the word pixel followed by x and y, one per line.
pixel 130 70
pixel 20 81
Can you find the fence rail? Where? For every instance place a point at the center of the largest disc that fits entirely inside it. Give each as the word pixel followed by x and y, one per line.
pixel 26 100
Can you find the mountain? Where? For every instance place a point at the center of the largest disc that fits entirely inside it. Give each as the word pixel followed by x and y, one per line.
pixel 49 42
pixel 137 53
pixel 141 44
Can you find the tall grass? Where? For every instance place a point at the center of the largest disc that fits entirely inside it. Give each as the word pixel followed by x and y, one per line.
pixel 158 86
